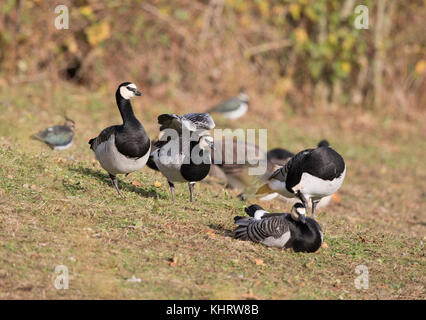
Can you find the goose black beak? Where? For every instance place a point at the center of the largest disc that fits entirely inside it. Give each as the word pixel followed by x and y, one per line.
pixel 212 146
pixel 138 93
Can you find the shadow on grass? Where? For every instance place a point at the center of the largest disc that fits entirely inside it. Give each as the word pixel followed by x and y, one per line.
pixel 148 192
pixel 221 230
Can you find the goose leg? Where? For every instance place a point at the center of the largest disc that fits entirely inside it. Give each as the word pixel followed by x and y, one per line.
pixel 314 204
pixel 115 183
pixel 172 189
pixel 191 191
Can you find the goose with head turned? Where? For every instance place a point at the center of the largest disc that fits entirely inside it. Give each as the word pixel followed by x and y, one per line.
pixel 182 158
pixel 125 148
pixel 310 175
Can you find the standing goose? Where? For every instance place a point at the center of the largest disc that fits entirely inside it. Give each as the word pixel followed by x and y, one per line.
pixel 122 149
pixel 310 175
pixel 174 158
pixel 279 157
pixel 281 230
pixel 233 108
pixel 58 137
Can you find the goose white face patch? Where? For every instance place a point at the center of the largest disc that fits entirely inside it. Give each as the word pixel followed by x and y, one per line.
pixel 126 93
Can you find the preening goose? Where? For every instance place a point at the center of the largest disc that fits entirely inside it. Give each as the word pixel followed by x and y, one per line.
pixel 281 230
pixel 125 148
pixel 279 157
pixel 310 175
pixel 233 108
pixel 184 156
pixel 58 137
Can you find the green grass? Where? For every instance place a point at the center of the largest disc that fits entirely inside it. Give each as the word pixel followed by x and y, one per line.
pixel 59 208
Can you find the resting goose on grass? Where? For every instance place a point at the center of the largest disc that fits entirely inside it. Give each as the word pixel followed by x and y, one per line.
pixel 58 137
pixel 281 230
pixel 182 158
pixel 233 108
pixel 122 149
pixel 310 175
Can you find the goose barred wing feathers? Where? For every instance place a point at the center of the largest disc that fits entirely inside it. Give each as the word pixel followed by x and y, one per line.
pixel 192 121
pixel 269 230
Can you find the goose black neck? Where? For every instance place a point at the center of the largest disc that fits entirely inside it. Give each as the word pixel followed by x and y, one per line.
pixel 126 110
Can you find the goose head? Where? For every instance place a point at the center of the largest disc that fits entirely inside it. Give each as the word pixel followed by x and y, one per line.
pixel 206 142
pixel 298 212
pixel 128 90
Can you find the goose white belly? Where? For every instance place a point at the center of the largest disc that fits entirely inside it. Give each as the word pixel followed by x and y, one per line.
pixel 313 187
pixel 170 167
pixel 242 109
pixel 116 163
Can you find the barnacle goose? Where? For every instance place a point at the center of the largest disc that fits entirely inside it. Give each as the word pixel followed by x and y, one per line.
pixel 233 108
pixel 281 230
pixel 175 156
pixel 58 137
pixel 310 175
pixel 279 157
pixel 122 149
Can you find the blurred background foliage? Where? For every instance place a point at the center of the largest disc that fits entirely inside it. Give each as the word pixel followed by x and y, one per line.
pixel 302 53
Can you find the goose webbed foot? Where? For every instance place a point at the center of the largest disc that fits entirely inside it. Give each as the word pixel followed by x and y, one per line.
pixel 115 183
pixel 191 191
pixel 172 190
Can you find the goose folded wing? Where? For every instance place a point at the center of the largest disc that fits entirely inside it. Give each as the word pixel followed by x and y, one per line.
pixel 102 137
pixel 269 229
pixel 200 120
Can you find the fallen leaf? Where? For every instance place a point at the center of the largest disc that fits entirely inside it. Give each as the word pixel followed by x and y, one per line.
pixel 324 245
pixel 157 184
pixel 136 183
pixel 259 262
pixel 337 198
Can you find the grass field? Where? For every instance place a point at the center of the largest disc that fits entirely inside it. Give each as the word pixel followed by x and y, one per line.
pixel 58 208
